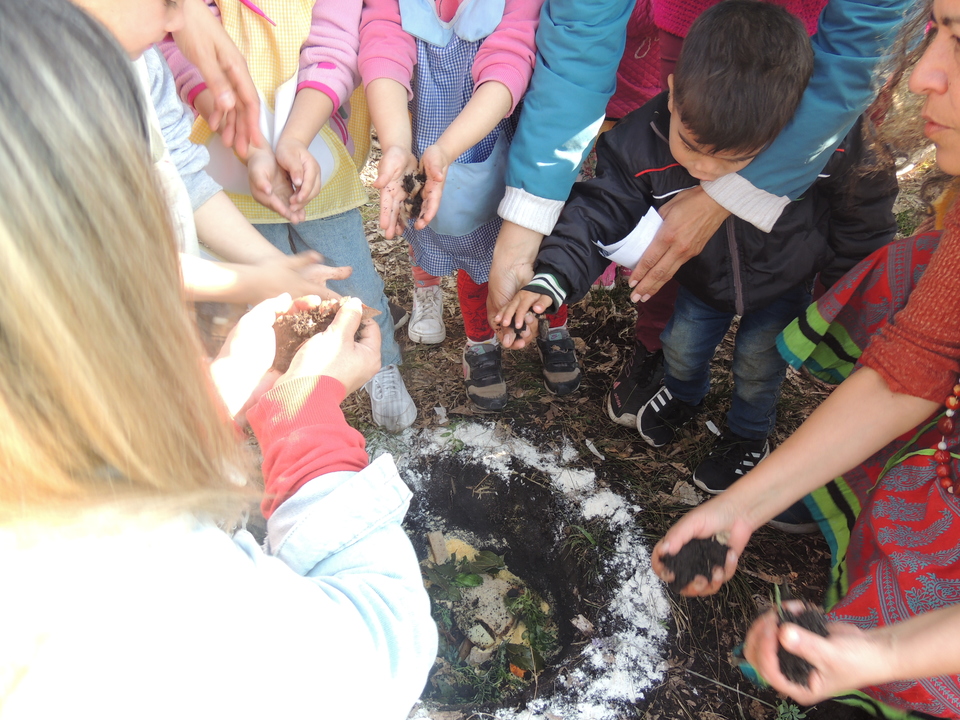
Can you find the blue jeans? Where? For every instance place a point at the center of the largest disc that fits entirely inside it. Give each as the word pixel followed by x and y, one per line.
pixel 341 241
pixel 691 338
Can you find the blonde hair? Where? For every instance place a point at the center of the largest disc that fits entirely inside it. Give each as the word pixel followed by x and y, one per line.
pixel 104 399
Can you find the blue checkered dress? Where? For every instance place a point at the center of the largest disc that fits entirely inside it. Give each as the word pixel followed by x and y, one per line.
pixel 443 84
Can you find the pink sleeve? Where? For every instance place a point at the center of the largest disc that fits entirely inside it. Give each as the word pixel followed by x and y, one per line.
pixel 386 50
pixel 302 435
pixel 328 59
pixel 188 78
pixel 510 52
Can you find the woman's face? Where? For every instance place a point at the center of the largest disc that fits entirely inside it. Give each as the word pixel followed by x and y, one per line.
pixel 137 24
pixel 937 76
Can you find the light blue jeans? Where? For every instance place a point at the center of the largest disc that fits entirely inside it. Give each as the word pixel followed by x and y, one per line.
pixel 691 338
pixel 342 241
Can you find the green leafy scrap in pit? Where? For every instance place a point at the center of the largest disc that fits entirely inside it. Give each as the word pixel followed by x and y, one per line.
pixel 447 578
pixel 541 632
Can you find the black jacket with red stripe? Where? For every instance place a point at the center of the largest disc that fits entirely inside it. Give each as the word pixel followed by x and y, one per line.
pixel 839 221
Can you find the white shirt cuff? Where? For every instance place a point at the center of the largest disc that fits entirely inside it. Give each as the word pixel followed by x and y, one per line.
pixel 738 195
pixel 530 211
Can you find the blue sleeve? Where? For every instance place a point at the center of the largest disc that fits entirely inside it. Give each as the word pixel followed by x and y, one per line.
pixel 852 36
pixel 341 533
pixel 579 46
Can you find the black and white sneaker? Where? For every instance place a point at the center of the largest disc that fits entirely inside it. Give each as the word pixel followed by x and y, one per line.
pixel 561 370
pixel 662 417
pixel 483 375
pixel 731 458
pixel 640 377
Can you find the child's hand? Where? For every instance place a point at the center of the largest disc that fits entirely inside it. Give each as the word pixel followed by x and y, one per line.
pixel 395 164
pixel 298 275
pixel 515 318
pixel 294 157
pixel 270 185
pixel 434 163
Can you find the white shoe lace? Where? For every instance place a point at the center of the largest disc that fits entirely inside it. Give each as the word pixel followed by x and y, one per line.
pixel 427 308
pixel 391 404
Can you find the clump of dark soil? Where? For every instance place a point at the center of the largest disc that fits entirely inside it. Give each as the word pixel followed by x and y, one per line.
pixel 795 668
pixel 412 185
pixel 697 557
pixel 294 329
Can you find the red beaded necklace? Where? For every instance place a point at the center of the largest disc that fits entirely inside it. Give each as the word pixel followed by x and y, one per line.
pixel 942 457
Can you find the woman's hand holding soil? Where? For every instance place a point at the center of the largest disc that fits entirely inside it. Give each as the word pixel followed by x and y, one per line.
pixel 717 518
pixel 848 659
pixel 337 353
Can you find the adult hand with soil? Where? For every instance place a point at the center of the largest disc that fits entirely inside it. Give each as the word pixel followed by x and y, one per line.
pixel 511 270
pixel 235 112
pixel 689 221
pixel 338 352
pixel 242 370
pixel 714 519
pixel 849 659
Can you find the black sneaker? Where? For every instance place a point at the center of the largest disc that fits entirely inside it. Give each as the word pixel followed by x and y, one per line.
pixel 730 459
pixel 561 371
pixel 661 418
pixel 796 520
pixel 483 375
pixel 398 314
pixel 640 377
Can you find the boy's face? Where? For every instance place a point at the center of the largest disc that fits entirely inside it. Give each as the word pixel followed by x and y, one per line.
pixel 700 160
pixel 137 24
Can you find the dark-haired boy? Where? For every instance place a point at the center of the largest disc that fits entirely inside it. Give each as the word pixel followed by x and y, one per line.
pixel 739 79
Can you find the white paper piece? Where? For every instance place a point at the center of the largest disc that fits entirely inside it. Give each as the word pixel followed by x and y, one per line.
pixel 627 252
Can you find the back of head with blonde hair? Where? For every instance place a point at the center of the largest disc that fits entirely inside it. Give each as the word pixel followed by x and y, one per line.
pixel 103 397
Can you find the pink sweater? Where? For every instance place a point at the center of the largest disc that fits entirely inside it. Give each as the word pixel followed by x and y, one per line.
pixel 328 58
pixel 507 55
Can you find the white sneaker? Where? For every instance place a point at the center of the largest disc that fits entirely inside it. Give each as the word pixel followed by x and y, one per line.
pixel 392 406
pixel 426 322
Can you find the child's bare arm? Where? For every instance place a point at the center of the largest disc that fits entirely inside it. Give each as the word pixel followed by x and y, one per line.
pixel 491 102
pixel 387 100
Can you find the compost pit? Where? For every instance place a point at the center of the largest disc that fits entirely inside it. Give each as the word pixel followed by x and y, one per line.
pixel 573 544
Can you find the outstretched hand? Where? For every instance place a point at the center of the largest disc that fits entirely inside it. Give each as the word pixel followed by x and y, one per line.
pixel 714 518
pixel 518 316
pixel 689 221
pixel 511 270
pixel 296 161
pixel 337 353
pixel 299 275
pixel 271 186
pixel 434 164
pixel 395 164
pixel 848 659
